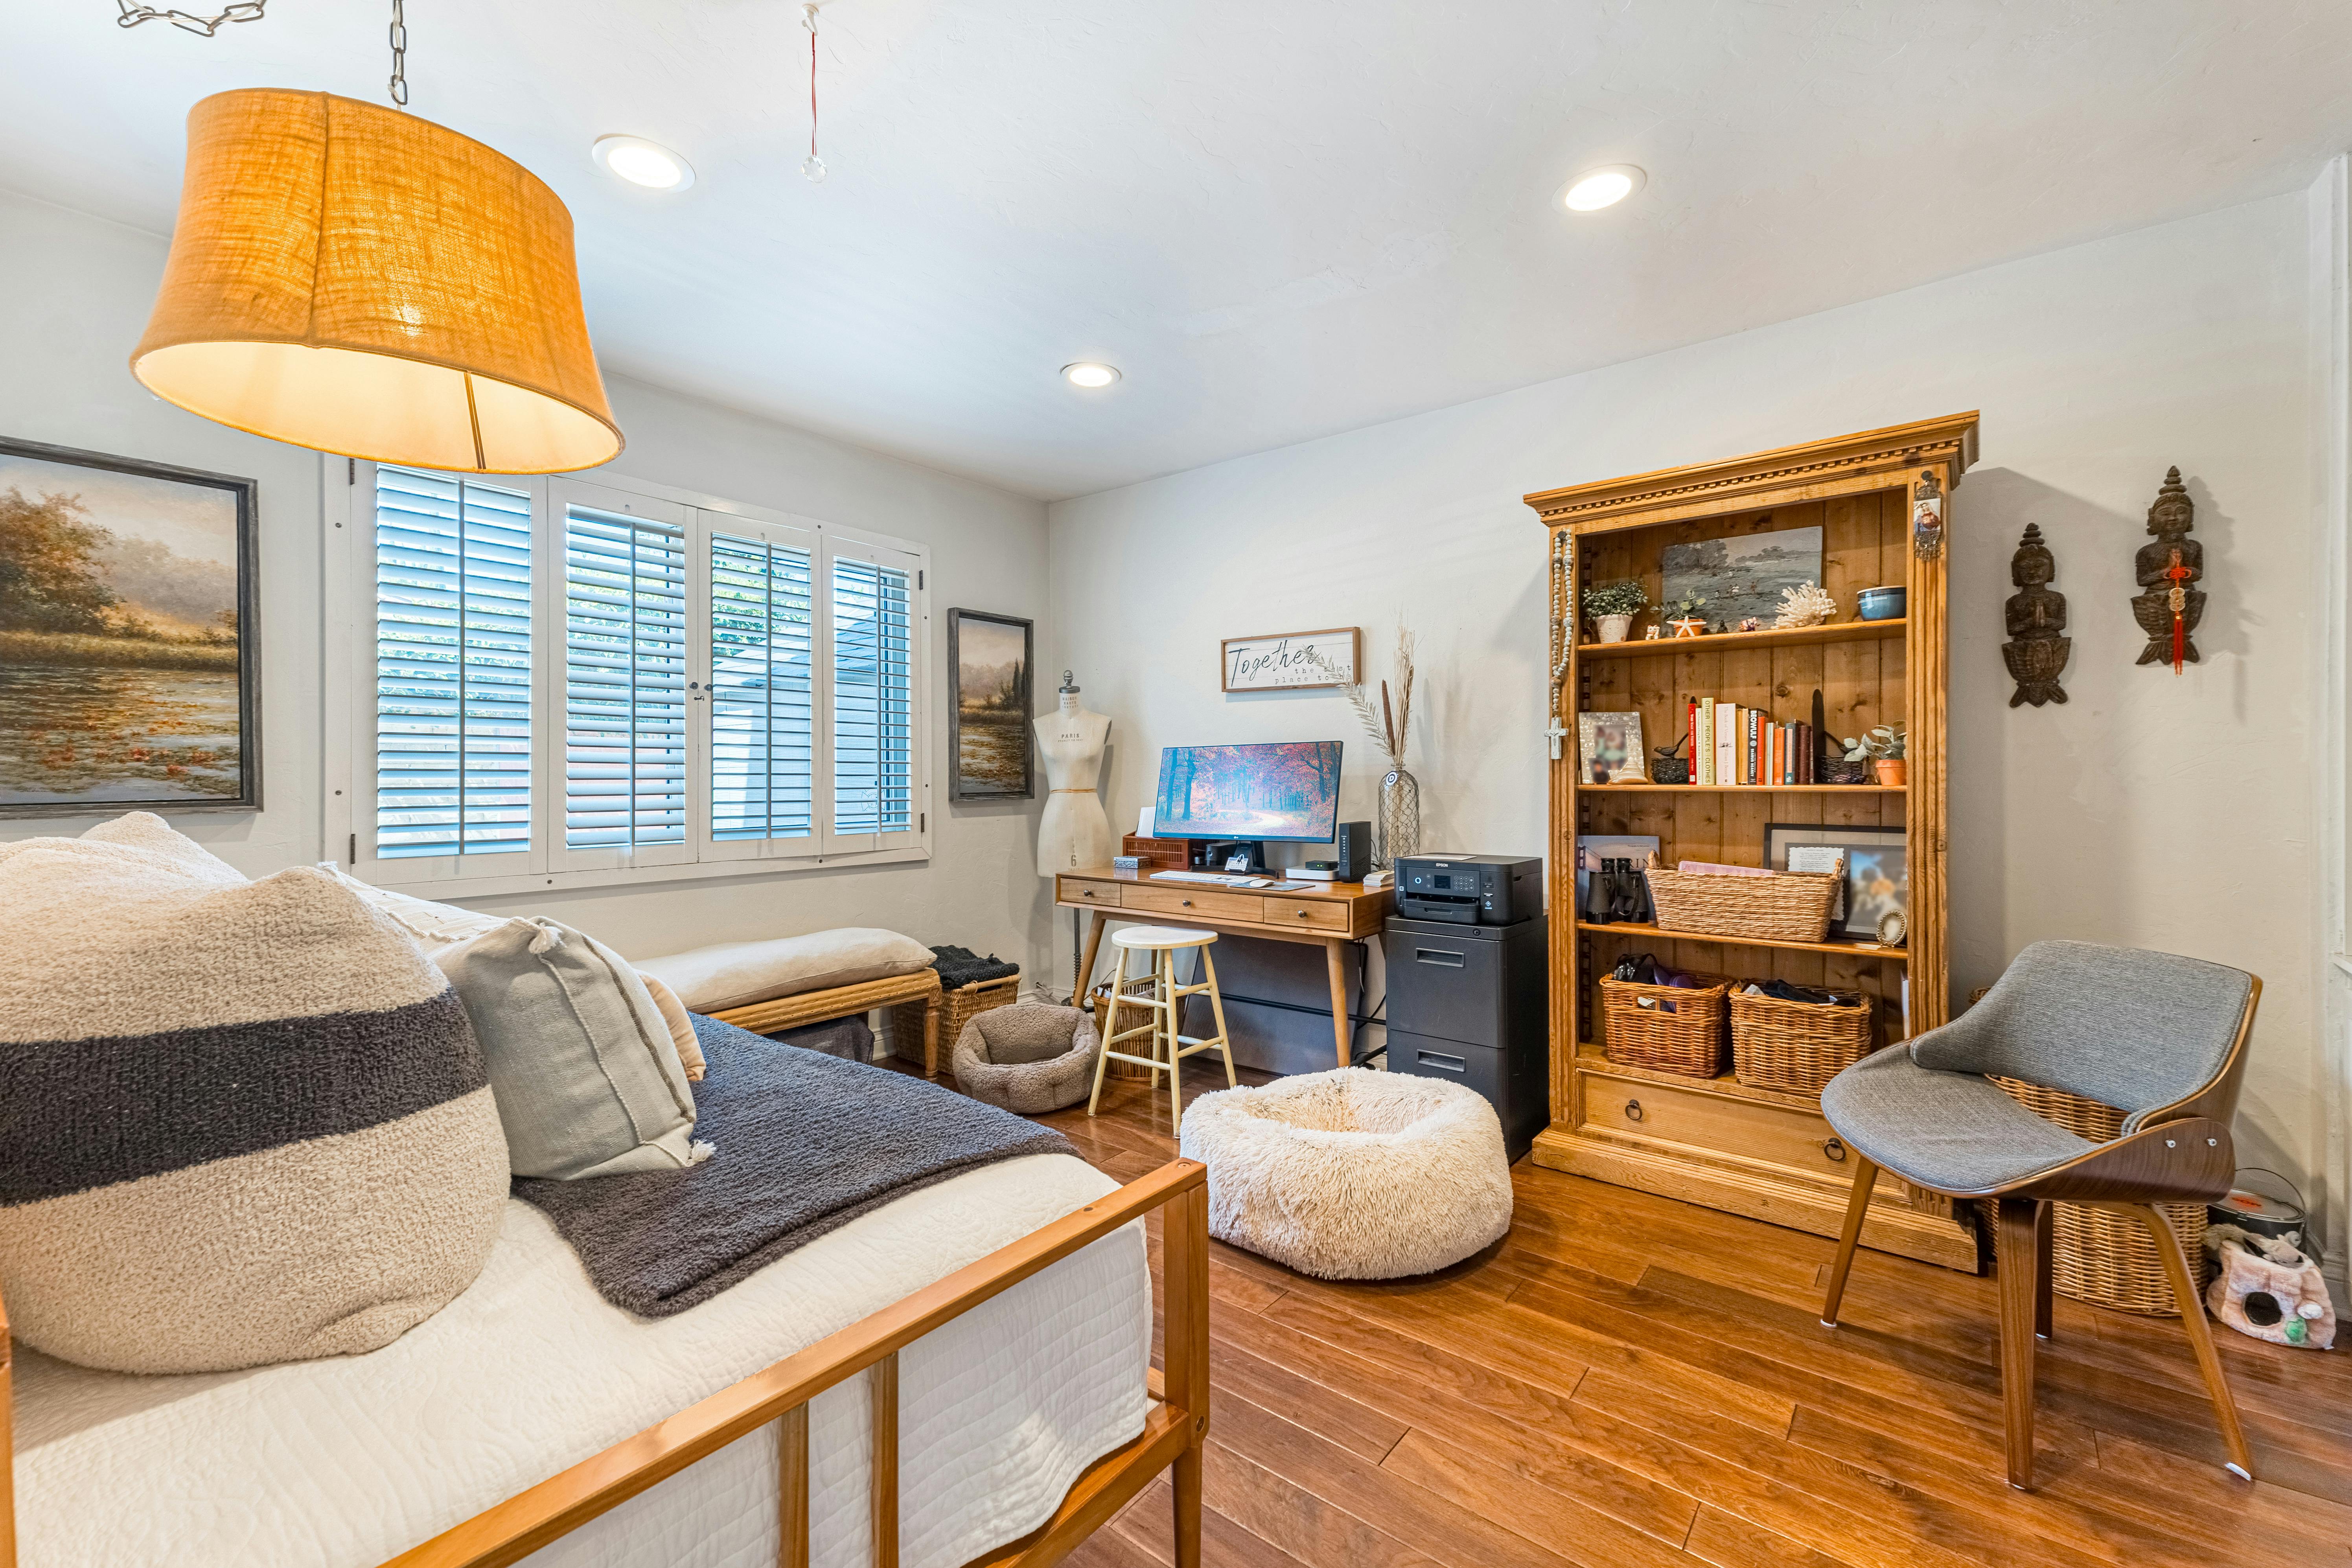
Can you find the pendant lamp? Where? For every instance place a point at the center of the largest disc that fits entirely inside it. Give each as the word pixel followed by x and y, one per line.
pixel 360 281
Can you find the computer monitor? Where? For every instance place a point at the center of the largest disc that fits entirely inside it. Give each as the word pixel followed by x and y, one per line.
pixel 1287 790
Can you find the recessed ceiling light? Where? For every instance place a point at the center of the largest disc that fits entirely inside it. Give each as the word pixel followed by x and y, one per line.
pixel 1089 373
pixel 644 163
pixel 1601 187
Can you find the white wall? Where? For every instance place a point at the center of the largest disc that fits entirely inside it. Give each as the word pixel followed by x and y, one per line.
pixel 74 296
pixel 2150 811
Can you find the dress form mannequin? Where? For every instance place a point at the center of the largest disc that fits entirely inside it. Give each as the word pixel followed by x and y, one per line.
pixel 1074 833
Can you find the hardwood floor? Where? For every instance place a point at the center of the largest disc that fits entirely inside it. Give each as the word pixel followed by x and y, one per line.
pixel 1626 1381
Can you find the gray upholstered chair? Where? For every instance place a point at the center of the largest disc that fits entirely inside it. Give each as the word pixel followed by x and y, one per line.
pixel 2161 1038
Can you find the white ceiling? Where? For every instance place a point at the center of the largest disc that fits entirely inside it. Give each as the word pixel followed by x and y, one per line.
pixel 1278 217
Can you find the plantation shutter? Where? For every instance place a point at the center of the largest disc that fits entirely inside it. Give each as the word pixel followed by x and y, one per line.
pixel 624 697
pixel 761 689
pixel 450 784
pixel 871 621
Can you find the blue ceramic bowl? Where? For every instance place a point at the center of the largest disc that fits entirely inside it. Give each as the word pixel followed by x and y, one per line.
pixel 1881 604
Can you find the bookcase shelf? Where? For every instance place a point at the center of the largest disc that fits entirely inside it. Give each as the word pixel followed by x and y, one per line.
pixel 1721 642
pixel 1841 949
pixel 1712 1140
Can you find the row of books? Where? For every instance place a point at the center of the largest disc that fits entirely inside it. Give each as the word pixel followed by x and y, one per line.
pixel 1736 746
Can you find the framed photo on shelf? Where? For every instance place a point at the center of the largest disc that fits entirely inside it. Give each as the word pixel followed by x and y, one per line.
pixel 1610 745
pixel 988 723
pixel 1877 871
pixel 130 675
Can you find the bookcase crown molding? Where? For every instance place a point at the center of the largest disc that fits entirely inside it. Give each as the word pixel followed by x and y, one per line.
pixel 1867 459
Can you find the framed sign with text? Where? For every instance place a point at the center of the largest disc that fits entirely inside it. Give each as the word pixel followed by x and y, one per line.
pixel 1285 661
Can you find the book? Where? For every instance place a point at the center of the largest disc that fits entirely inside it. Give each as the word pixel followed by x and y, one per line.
pixel 1726 743
pixel 1749 735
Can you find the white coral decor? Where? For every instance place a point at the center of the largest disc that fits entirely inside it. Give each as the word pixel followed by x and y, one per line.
pixel 1806 605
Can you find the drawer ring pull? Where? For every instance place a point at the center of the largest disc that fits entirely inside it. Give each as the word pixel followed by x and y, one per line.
pixel 1835 1150
pixel 1633 1111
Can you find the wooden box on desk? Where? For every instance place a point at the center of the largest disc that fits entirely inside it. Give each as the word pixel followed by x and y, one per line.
pixel 1159 854
pixel 1715 1141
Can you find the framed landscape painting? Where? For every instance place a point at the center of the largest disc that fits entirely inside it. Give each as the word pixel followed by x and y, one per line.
pixel 988 727
pixel 129 675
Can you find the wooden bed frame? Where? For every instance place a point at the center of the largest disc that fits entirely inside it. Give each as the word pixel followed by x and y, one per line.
pixel 1173 1429
pixel 823 1006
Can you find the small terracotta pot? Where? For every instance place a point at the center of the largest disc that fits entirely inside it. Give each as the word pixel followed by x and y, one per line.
pixel 1894 772
pixel 1613 628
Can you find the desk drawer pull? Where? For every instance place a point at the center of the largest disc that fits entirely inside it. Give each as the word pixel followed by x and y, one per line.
pixel 1188 903
pixel 1307 914
pixel 1633 1111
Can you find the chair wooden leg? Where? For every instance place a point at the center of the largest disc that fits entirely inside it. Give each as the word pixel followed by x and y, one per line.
pixel 2015 1257
pixel 2045 1220
pixel 1109 1027
pixel 2200 1335
pixel 1866 1178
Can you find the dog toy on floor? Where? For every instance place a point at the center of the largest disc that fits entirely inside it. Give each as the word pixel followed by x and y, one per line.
pixel 2267 1289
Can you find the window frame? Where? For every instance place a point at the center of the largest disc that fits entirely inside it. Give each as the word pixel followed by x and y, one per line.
pixel 350 671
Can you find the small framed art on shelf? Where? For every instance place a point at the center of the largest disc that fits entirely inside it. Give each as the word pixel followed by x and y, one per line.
pixel 1611 747
pixel 1877 871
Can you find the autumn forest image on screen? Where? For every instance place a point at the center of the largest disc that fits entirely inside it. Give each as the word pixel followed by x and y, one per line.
pixel 1285 790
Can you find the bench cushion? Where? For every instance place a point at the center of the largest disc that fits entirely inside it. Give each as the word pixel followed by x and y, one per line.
pixel 737 973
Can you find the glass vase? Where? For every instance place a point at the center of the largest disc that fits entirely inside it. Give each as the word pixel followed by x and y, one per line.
pixel 1398 830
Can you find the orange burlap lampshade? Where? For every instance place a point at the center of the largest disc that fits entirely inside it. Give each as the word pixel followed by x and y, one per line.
pixel 360 281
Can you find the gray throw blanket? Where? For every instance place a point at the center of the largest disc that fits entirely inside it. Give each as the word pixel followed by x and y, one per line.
pixel 806 1144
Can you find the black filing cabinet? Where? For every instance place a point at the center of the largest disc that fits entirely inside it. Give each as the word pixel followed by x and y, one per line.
pixel 1466 1003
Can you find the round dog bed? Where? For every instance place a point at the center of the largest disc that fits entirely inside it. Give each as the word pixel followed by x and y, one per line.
pixel 1027 1057
pixel 1353 1174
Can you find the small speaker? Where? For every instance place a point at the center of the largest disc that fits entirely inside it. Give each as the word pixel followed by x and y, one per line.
pixel 1355 846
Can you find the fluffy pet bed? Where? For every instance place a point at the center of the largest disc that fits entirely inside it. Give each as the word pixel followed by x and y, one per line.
pixel 1027 1057
pixel 1353 1174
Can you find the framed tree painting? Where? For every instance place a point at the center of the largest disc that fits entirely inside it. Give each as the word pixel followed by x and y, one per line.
pixel 128 672
pixel 988 723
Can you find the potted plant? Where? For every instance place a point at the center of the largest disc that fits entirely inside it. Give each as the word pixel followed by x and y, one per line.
pixel 1614 605
pixel 1687 620
pixel 1882 748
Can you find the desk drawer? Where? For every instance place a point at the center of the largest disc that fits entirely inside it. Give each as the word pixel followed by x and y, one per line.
pixel 1104 894
pixel 1720 1124
pixel 1307 914
pixel 1198 902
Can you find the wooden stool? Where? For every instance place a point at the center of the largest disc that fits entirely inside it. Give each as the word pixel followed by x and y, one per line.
pixel 1166 1004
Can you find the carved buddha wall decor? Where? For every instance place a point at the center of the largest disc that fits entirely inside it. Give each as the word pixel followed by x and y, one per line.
pixel 2038 648
pixel 2166 607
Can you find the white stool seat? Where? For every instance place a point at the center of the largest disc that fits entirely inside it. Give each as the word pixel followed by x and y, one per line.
pixel 1159 938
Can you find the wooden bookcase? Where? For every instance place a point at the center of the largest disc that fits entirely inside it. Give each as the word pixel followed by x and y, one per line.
pixel 1715 1142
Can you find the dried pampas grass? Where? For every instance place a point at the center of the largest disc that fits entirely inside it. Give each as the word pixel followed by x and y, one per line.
pixel 1389 724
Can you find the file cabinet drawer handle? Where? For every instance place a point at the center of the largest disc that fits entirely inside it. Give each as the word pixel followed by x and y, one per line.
pixel 1443 1062
pixel 1438 956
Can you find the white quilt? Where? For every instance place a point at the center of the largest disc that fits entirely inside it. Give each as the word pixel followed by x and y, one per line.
pixel 346 1462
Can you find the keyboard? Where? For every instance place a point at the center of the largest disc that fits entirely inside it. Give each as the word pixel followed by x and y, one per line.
pixel 1219 877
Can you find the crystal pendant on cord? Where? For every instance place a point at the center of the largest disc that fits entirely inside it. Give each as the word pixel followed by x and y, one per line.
pixel 813 167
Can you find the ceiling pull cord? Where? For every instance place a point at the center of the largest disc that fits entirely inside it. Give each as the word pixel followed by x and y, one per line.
pixel 812 166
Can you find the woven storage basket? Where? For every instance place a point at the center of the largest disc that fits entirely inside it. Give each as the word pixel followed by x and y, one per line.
pixel 1639 1031
pixel 1099 1003
pixel 956 1010
pixel 1791 906
pixel 2098 1255
pixel 1796 1046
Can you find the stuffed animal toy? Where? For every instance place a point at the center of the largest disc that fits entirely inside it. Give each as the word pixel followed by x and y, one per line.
pixel 2267 1289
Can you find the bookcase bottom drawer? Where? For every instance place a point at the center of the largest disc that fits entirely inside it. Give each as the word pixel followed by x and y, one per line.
pixel 1698 1117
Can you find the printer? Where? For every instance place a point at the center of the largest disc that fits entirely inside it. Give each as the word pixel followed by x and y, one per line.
pixel 1469 889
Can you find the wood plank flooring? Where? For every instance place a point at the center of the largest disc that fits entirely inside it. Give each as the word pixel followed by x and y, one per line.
pixel 1627 1381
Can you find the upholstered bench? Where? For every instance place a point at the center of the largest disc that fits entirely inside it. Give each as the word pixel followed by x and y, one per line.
pixel 1353 1174
pixel 781 983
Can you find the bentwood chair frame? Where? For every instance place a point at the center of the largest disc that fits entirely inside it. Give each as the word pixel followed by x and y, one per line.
pixel 1175 1425
pixel 1165 1010
pixel 2181 1153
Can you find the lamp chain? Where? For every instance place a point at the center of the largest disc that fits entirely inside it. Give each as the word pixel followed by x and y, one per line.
pixel 132 15
pixel 399 84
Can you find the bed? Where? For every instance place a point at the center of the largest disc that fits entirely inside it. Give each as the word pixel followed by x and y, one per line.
pixel 988 1338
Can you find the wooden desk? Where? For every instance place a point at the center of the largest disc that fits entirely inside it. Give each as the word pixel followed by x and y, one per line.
pixel 1329 914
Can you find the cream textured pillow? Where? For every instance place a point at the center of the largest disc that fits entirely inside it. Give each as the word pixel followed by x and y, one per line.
pixel 735 975
pixel 240 1123
pixel 433 925
pixel 588 1081
pixel 681 1026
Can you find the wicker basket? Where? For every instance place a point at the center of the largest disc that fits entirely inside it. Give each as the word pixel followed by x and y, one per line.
pixel 1638 1031
pixel 2098 1255
pixel 1789 905
pixel 1098 1003
pixel 1796 1046
pixel 956 1010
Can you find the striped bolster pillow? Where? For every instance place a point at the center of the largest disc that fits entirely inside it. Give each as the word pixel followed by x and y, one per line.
pixel 240 1123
